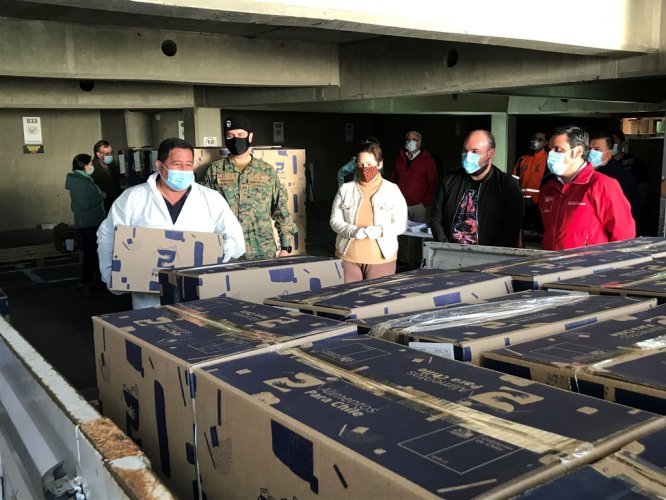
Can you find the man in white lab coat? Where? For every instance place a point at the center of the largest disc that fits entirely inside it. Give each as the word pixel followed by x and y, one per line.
pixel 169 199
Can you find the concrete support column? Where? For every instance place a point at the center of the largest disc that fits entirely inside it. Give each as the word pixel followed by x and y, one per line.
pixel 503 127
pixel 139 129
pixel 203 126
pixel 661 230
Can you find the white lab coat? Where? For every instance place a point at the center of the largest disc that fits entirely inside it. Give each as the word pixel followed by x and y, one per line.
pixel 204 210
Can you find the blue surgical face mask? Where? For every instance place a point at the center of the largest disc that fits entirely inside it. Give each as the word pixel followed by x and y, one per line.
pixel 179 180
pixel 615 149
pixel 410 146
pixel 108 159
pixel 595 157
pixel 556 163
pixel 470 162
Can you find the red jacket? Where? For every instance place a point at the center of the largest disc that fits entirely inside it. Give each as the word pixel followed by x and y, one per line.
pixel 588 210
pixel 418 183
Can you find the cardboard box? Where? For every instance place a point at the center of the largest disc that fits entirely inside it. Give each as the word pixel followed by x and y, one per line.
pixel 638 470
pixel 297 198
pixel 403 292
pixel 289 164
pixel 365 418
pixel 621 359
pixel 65 238
pixel 532 273
pixel 641 280
pixel 204 157
pixel 140 252
pixel 300 237
pixel 250 280
pixel 144 360
pixel 4 305
pixel 465 332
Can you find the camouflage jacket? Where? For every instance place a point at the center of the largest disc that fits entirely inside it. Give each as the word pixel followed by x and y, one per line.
pixel 256 196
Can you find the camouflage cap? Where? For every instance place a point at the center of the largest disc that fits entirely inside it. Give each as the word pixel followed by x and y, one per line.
pixel 233 122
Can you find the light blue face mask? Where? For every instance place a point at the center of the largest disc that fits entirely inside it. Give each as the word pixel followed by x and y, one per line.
pixel 179 180
pixel 470 162
pixel 556 163
pixel 108 159
pixel 595 157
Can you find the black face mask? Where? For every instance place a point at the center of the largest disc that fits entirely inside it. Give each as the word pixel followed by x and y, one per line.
pixel 237 145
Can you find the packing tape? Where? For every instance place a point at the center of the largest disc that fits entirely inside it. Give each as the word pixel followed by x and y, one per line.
pixel 519 435
pixel 356 289
pixel 249 334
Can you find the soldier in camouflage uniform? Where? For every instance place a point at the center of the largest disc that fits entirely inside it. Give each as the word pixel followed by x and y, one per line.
pixel 254 193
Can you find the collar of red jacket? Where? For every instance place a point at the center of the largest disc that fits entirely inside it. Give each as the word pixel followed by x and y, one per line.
pixel 584 174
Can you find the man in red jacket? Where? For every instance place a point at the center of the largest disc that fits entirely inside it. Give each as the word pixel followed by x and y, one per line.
pixel 415 174
pixel 580 206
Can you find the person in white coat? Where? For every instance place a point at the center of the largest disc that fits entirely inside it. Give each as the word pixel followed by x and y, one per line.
pixel 367 215
pixel 169 199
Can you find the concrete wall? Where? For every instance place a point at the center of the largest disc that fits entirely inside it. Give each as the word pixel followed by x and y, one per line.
pixel 139 129
pixel 32 189
pixel 166 126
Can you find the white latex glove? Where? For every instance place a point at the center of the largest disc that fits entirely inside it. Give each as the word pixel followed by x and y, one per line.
pixel 229 249
pixel 373 232
pixel 360 234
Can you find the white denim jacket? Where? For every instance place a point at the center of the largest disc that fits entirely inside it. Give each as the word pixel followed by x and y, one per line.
pixel 389 210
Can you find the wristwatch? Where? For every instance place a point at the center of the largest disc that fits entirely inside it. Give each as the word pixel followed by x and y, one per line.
pixel 286 249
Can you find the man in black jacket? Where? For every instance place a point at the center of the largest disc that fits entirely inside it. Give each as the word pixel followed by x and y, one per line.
pixel 479 204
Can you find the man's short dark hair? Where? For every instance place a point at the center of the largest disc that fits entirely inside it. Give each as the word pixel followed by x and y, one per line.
pixel 167 145
pixel 99 145
pixel 602 134
pixel 619 134
pixel 576 136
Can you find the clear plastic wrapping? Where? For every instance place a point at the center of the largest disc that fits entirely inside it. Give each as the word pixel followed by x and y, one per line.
pixel 472 314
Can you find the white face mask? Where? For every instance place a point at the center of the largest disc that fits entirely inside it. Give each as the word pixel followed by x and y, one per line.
pixel 410 146
pixel 89 169
pixel 615 149
pixel 555 163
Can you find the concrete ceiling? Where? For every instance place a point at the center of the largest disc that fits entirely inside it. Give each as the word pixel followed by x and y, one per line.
pixel 318 55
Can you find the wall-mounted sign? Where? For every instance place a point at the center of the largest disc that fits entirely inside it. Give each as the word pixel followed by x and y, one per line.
pixel 33 149
pixel 181 129
pixel 210 142
pixel 32 130
pixel 278 132
pixel 349 132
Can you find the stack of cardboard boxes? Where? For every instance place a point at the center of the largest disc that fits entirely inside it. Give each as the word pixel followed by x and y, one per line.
pixel 290 167
pixel 186 265
pixel 466 332
pixel 238 400
pixel 242 400
pixel 621 359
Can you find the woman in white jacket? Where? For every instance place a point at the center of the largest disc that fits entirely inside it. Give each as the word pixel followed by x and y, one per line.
pixel 367 215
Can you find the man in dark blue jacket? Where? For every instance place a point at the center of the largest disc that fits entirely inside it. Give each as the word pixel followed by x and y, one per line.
pixel 601 158
pixel 478 204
